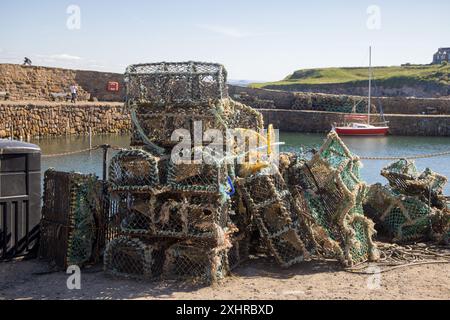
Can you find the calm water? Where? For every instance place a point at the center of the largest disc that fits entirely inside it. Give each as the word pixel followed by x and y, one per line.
pixel 374 146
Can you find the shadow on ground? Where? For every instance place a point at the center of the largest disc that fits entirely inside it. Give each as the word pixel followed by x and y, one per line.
pixel 33 279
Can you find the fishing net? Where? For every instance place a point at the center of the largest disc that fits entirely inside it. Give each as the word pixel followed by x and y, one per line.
pixel 210 175
pixel 161 125
pixel 329 191
pixel 404 178
pixel 73 224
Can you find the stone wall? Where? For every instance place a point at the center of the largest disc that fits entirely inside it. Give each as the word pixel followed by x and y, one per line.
pixel 270 99
pixel 38 83
pixel 26 120
pixel 360 88
pixel 321 122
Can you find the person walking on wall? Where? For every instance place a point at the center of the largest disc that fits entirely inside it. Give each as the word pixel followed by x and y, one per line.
pixel 74 93
pixel 27 62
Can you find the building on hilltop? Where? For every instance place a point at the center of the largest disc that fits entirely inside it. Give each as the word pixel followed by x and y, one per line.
pixel 442 55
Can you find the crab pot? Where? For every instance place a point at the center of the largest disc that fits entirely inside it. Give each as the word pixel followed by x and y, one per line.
pixel 189 262
pixel 171 215
pixel 134 258
pixel 73 222
pixel 133 169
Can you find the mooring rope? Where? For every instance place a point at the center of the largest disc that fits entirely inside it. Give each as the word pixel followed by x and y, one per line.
pixel 70 152
pixel 64 154
pixel 414 157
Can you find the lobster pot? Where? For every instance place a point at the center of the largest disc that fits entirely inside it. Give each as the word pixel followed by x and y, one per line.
pixel 277 218
pixel 330 188
pixel 208 176
pixel 176 82
pixel 188 262
pixel 404 178
pixel 172 215
pixel 134 258
pixel 133 170
pixel 73 223
pixel 160 125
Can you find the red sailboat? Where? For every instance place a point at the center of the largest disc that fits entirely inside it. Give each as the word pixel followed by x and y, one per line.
pixel 359 125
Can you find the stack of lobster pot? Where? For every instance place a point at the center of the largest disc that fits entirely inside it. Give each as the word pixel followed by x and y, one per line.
pixel 171 211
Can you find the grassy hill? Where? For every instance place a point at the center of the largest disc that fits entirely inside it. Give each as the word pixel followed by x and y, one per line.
pixel 386 76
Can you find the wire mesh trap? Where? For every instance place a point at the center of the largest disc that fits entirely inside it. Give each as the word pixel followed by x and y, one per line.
pixel 73 224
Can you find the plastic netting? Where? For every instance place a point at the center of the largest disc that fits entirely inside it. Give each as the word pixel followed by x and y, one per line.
pixel 158 123
pixel 133 170
pixel 176 82
pixel 170 214
pixel 404 178
pixel 73 224
pixel 135 258
pixel 277 217
pixel 331 193
pixel 187 261
pixel 211 175
pixel 412 207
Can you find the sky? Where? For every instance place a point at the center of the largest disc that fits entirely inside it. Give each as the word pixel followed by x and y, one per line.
pixel 255 40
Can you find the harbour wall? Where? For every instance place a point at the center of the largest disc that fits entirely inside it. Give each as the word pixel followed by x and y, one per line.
pixel 34 83
pixel 43 119
pixel 23 120
pixel 271 99
pixel 321 122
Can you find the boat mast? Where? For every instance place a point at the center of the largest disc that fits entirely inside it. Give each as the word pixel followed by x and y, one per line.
pixel 370 85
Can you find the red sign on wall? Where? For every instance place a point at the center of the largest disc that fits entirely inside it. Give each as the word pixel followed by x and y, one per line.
pixel 113 86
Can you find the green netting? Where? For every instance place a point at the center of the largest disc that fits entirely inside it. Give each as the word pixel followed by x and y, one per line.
pixel 405 218
pixel 277 217
pixel 86 200
pixel 404 178
pixel 331 187
pixel 73 221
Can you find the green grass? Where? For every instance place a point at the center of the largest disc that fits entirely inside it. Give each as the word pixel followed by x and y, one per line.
pixel 438 74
